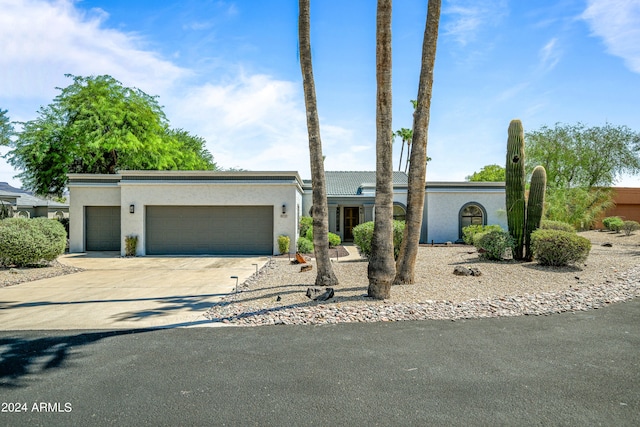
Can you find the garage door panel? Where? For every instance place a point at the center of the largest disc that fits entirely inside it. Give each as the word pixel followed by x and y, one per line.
pixel 215 230
pixel 102 228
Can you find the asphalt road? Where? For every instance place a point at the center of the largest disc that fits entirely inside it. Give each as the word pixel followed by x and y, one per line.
pixel 569 369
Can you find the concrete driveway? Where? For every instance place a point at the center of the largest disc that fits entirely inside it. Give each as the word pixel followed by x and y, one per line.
pixel 124 293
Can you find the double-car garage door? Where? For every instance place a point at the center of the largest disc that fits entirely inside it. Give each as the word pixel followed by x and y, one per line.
pixel 210 230
pixel 187 230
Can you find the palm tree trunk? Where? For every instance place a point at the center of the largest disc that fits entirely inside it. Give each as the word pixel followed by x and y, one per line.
pixel 401 153
pixel 381 264
pixel 319 211
pixel 418 167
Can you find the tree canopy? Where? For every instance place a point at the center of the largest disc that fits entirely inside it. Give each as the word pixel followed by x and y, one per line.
pixel 580 156
pixel 489 173
pixel 97 125
pixel 6 129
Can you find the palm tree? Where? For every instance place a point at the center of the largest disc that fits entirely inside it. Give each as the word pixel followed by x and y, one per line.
pixel 319 211
pixel 418 169
pixel 382 266
pixel 406 135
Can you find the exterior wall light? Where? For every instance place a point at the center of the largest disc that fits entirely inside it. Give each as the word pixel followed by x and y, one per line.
pixel 284 209
pixel 132 208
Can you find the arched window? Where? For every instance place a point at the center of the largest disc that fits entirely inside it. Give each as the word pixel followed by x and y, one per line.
pixel 472 214
pixel 399 213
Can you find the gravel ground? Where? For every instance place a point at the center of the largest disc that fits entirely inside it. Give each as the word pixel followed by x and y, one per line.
pixel 277 294
pixel 15 276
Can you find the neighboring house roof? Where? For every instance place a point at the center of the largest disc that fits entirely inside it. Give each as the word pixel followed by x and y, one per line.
pixel 350 183
pixel 5 187
pixel 24 200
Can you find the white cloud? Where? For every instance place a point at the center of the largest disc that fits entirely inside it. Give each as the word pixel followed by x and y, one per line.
pixel 253 122
pixel 256 122
pixel 41 41
pixel 549 55
pixel 617 22
pixel 466 18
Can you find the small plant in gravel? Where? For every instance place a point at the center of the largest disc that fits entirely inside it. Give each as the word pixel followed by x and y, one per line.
pixel 130 245
pixel 613 223
pixel 283 244
pixel 363 234
pixel 557 225
pixel 305 245
pixel 334 239
pixel 470 231
pixel 630 226
pixel 494 244
pixel 306 222
pixel 559 248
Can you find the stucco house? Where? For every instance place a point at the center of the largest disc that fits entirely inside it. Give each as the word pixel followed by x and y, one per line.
pixel 26 205
pixel 234 213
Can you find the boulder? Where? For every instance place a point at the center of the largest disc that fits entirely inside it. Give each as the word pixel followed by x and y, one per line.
pixel 464 271
pixel 320 294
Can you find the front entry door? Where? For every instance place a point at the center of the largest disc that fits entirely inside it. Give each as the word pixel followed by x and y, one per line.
pixel 351 219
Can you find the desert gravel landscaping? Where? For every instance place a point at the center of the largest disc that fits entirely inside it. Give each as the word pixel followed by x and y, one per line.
pixel 277 294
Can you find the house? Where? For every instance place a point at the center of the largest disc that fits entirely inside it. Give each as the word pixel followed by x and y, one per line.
pixel 627 205
pixel 243 213
pixel 26 205
pixel 184 212
pixel 448 206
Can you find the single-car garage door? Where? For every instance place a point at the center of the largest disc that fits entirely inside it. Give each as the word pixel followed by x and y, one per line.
pixel 209 230
pixel 102 228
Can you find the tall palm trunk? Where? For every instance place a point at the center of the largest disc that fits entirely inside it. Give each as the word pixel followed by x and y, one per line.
pixel 319 211
pixel 418 166
pixel 381 264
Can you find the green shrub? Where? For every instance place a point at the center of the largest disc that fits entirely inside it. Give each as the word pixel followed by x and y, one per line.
pixel 558 248
pixel 494 244
pixel 34 241
pixel 471 230
pixel 283 244
pixel 130 245
pixel 557 225
pixel 65 224
pixel 305 245
pixel 613 223
pixel 630 226
pixel 334 239
pixel 363 234
pixel 306 222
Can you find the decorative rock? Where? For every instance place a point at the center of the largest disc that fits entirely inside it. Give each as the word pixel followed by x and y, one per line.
pixel 306 267
pixel 319 294
pixel 464 271
pixel 607 245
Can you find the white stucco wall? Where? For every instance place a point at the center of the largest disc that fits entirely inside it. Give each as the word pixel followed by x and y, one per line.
pixel 82 195
pixel 443 208
pixel 142 194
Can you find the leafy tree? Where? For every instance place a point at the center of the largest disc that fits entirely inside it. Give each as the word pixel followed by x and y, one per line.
pixel 580 156
pixel 489 173
pixel 577 206
pixel 581 163
pixel 6 128
pixel 418 168
pixel 382 268
pixel 96 125
pixel 320 210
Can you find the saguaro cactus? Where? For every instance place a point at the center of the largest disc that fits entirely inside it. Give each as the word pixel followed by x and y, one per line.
pixel 535 206
pixel 515 186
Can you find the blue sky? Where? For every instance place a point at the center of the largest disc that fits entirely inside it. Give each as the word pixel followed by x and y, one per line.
pixel 228 71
